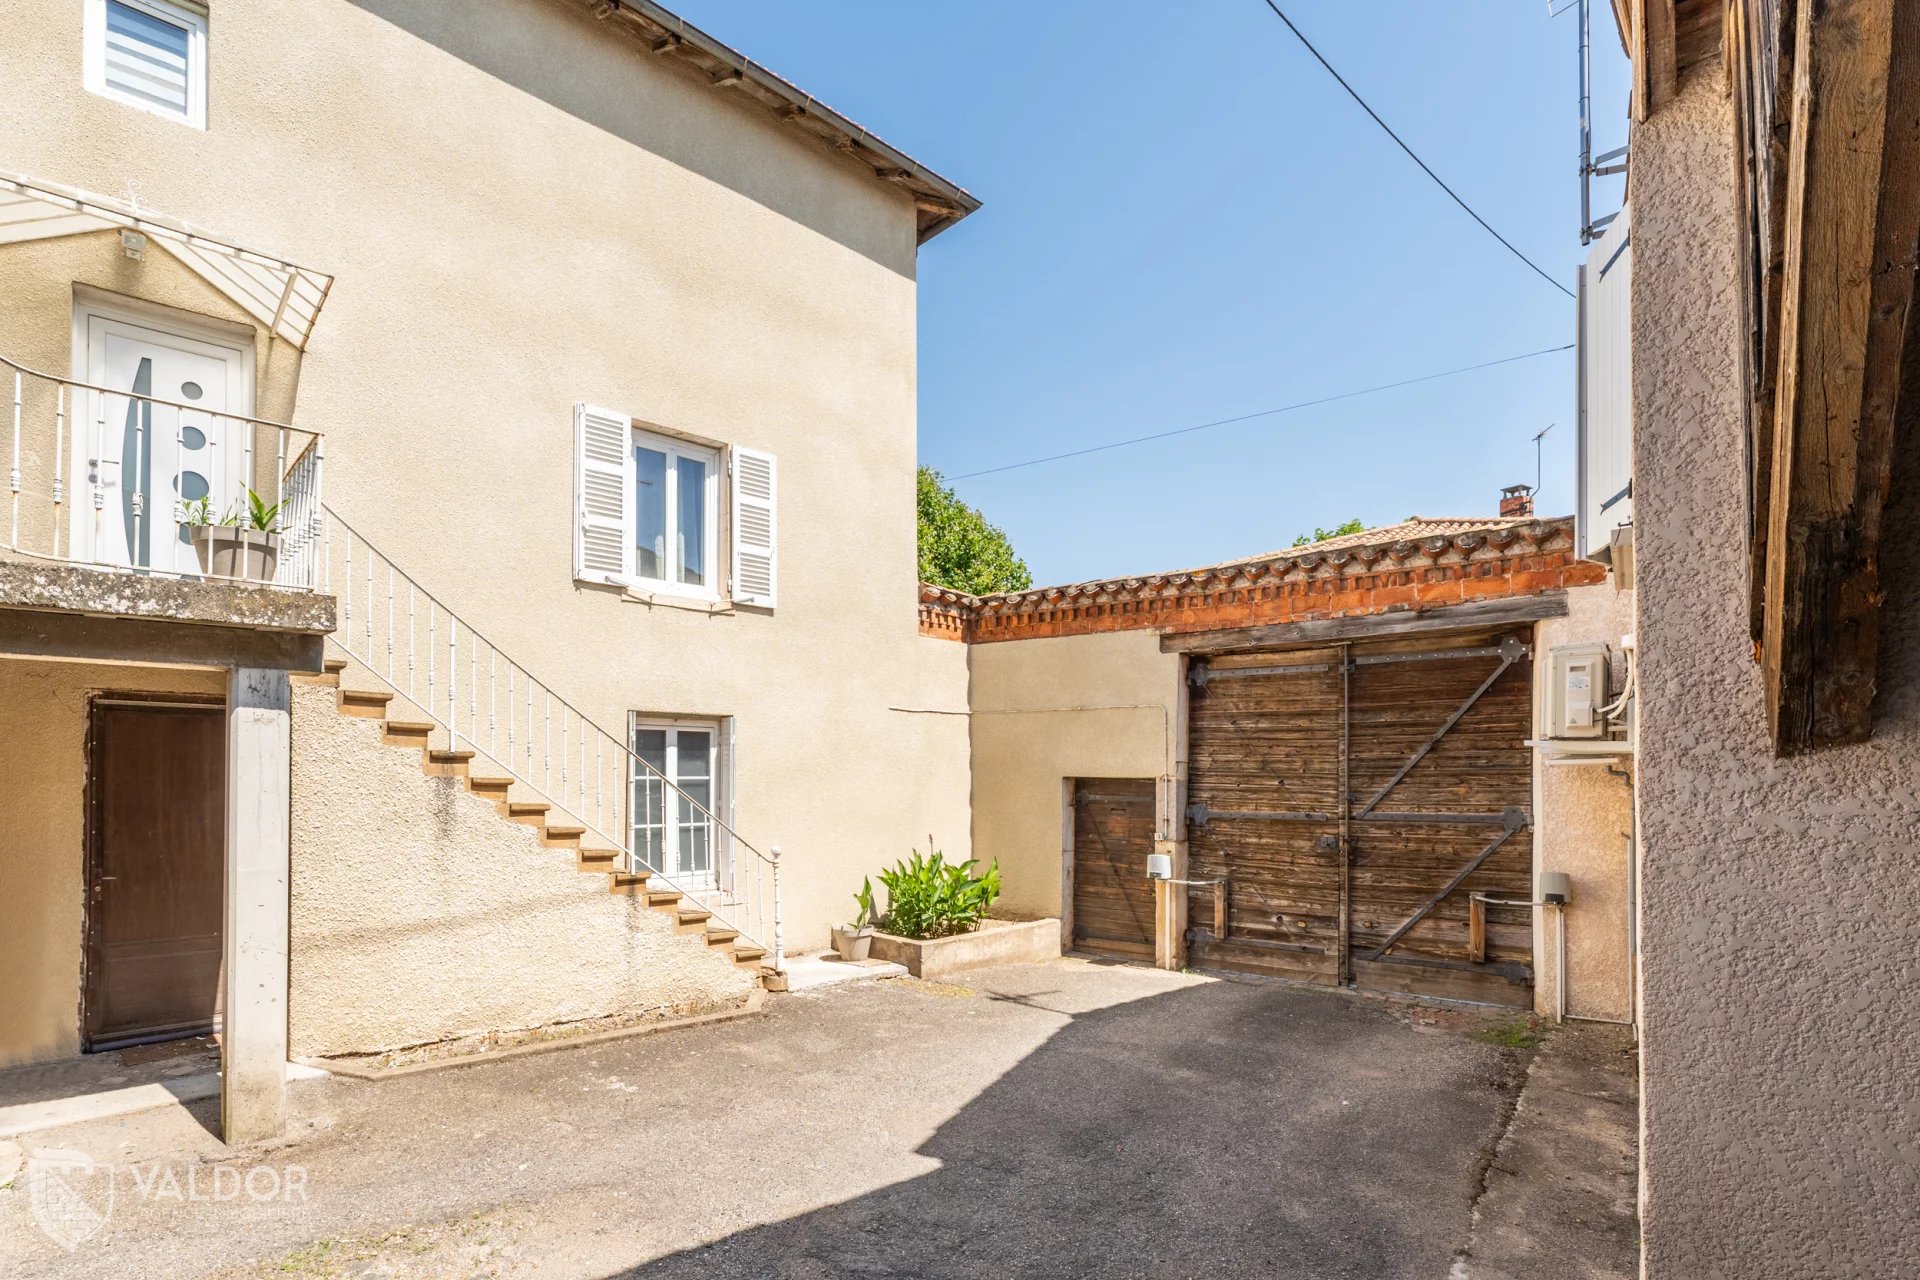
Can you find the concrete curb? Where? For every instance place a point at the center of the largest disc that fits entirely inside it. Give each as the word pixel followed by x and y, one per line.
pixel 357 1071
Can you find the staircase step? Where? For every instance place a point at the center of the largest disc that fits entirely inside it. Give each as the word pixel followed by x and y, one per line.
pixel 561 837
pixel 407 733
pixel 600 860
pixel 447 764
pixel 364 702
pixel 491 788
pixel 334 666
pixel 628 882
pixel 663 897
pixel 330 679
pixel 747 955
pixel 532 812
pixel 717 935
pixel 691 919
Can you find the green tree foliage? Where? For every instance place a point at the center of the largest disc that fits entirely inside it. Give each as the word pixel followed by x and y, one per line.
pixel 1321 535
pixel 959 549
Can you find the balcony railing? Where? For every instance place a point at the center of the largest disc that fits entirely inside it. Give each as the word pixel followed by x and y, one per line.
pixel 120 480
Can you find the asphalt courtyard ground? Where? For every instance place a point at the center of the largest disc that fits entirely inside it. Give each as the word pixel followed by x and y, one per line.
pixel 1067 1119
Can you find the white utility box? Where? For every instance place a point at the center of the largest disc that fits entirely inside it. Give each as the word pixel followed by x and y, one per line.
pixel 1579 684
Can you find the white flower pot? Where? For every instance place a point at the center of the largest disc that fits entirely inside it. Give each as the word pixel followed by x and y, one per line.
pixel 225 551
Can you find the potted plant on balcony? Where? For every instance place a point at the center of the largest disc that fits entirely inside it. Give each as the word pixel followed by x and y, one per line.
pixel 853 941
pixel 244 544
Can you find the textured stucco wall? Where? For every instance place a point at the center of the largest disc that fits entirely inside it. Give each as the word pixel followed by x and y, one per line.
pixel 522 213
pixel 1044 711
pixel 43 757
pixel 1779 939
pixel 420 914
pixel 1584 815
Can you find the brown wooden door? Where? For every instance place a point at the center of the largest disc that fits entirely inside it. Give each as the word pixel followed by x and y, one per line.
pixel 157 792
pixel 1356 799
pixel 1112 836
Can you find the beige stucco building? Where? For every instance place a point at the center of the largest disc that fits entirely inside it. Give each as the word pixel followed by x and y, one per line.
pixel 597 345
pixel 1775 551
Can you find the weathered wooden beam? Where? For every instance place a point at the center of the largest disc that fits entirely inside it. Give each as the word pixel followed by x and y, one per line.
pixel 1851 220
pixel 1477 929
pixel 1372 626
pixel 1662 52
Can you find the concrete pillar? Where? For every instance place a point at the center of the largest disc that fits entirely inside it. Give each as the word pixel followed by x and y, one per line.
pixel 253 1058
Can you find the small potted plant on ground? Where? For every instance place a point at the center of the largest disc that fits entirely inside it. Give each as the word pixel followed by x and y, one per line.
pixel 244 544
pixel 853 941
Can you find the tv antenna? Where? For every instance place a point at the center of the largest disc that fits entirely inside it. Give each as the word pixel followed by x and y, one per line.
pixel 1538 450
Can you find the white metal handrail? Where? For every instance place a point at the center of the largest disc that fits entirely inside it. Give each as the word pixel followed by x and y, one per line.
pixel 46 447
pixel 487 702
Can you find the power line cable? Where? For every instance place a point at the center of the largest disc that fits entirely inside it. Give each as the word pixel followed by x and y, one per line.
pixel 1410 153
pixel 1263 413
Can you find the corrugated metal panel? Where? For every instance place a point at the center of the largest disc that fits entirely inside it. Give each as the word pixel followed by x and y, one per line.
pixel 1606 389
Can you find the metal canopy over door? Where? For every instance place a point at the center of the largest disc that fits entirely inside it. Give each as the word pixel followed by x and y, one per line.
pixel 1358 799
pixel 156 870
pixel 1112 836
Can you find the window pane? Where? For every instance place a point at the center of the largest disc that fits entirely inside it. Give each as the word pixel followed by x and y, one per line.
pixel 696 754
pixel 649 513
pixel 695 759
pixel 146 57
pixel 693 522
pixel 649 799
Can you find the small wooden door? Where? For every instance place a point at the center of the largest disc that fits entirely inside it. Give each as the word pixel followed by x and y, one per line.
pixel 157 795
pixel 1112 836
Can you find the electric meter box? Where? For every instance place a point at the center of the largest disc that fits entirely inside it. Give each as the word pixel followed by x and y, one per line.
pixel 1579 684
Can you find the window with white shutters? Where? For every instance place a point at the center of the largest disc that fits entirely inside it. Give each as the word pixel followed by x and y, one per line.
pixel 150 54
pixel 755 527
pixel 648 516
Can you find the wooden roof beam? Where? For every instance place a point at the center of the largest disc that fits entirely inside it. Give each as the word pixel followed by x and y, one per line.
pixel 1851 221
pixel 1654 48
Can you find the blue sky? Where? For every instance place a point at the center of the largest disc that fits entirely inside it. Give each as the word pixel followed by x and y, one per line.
pixel 1186 219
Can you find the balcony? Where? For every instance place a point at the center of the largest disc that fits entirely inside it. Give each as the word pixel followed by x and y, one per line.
pixel 122 504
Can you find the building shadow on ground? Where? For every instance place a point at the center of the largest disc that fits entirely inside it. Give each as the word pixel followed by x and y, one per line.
pixel 1218 1130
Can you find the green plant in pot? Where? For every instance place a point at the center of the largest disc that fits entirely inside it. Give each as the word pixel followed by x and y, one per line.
pixel 929 897
pixel 854 941
pixel 243 544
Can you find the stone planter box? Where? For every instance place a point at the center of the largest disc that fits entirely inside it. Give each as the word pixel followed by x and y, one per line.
pixel 994 942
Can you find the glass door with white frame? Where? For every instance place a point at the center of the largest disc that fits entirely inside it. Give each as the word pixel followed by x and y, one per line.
pixel 153 443
pixel 673 832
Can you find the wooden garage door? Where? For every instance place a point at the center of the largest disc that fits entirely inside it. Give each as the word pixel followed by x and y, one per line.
pixel 1112 836
pixel 1356 799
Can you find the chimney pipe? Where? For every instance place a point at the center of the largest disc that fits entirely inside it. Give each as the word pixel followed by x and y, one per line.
pixel 1516 500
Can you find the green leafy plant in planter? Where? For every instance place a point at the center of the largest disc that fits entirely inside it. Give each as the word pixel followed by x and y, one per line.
pixel 243 544
pixel 928 897
pixel 854 941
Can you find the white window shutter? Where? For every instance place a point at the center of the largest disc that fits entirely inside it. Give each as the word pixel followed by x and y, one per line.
pixel 603 493
pixel 755 527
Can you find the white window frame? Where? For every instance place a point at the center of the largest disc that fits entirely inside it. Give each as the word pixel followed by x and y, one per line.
pixel 190 18
pixel 720 790
pixel 675 449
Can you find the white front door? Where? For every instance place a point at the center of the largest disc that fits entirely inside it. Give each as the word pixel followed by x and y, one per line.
pixel 139 461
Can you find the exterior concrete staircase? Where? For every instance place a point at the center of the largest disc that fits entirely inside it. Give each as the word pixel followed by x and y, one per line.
pixel 554 830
